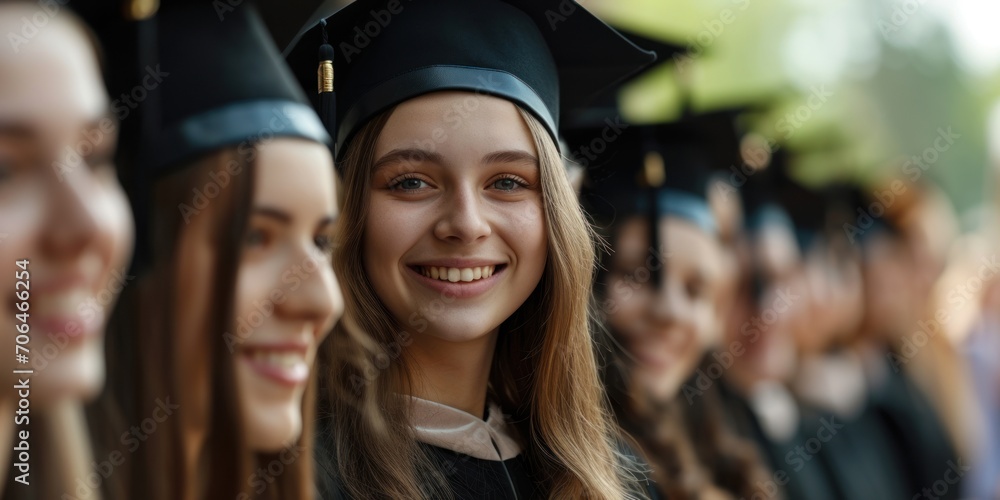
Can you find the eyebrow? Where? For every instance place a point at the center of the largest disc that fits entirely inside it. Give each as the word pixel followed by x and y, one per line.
pixel 19 129
pixel 511 156
pixel 272 213
pixel 407 154
pixel 419 155
pixel 285 217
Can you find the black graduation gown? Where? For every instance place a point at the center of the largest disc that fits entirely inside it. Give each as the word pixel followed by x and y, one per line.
pixel 913 423
pixel 794 471
pixel 479 459
pixel 863 459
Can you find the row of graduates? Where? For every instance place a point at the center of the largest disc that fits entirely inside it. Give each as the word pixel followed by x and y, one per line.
pixel 420 320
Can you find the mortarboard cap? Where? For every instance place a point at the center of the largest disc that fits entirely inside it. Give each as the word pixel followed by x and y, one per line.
pixel 223 83
pixel 654 170
pixel 544 55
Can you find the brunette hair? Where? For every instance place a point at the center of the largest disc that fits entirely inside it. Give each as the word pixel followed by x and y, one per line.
pixel 544 371
pixel 146 364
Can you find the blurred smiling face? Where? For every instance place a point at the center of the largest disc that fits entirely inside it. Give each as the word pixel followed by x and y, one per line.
pixel 455 233
pixel 286 263
pixel 666 329
pixel 69 218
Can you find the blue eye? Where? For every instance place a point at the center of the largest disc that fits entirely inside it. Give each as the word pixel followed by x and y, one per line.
pixel 509 183
pixel 408 184
pixel 505 184
pixel 411 183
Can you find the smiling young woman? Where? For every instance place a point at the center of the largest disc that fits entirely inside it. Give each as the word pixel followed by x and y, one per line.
pixel 217 337
pixel 662 292
pixel 66 239
pixel 466 258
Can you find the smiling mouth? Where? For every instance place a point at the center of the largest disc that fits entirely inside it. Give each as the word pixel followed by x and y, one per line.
pixel 458 274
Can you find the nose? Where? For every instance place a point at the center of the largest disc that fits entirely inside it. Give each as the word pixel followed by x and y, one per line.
pixel 668 305
pixel 79 216
pixel 313 293
pixel 463 219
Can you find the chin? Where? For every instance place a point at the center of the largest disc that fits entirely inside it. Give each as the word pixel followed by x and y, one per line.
pixel 270 430
pixel 75 374
pixel 461 326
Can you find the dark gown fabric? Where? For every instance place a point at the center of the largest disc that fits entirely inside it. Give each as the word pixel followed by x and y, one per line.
pixel 478 458
pixel 863 458
pixel 475 478
pixel 911 421
pixel 795 473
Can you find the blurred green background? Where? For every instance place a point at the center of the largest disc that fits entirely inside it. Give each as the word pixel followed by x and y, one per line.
pixel 893 73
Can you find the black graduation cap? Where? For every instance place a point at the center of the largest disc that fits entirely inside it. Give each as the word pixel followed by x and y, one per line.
pixel 761 203
pixel 653 170
pixel 544 55
pixel 223 83
pixel 595 116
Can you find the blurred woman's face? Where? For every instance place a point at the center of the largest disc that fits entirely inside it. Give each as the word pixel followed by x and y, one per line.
pixel 834 294
pixel 62 209
pixel 772 305
pixel 286 292
pixel 666 329
pixel 891 292
pixel 287 296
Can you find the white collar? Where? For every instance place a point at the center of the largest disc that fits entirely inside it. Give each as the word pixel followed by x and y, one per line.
pixel 453 429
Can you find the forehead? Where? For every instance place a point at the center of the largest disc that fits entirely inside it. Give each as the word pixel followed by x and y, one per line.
pixel 454 122
pixel 51 76
pixel 294 171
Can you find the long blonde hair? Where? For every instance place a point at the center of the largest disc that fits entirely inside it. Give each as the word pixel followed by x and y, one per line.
pixel 544 371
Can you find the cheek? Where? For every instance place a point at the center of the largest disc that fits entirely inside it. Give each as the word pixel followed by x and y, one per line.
pixel 522 225
pixel 388 232
pixel 254 285
pixel 116 224
pixel 22 222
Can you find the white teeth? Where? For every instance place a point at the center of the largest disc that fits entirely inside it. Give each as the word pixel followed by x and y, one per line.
pixel 455 274
pixel 288 359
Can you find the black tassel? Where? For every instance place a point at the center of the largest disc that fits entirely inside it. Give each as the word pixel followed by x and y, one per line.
pixel 327 97
pixel 654 175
